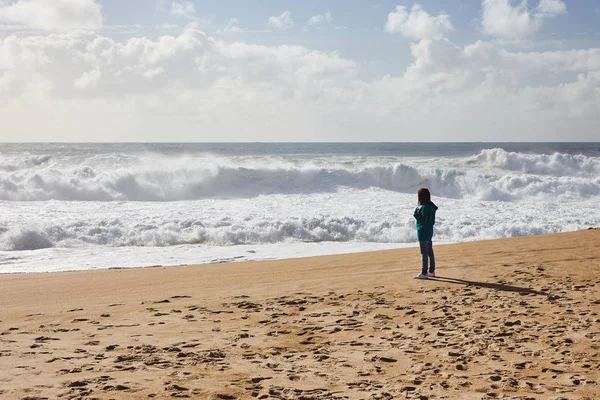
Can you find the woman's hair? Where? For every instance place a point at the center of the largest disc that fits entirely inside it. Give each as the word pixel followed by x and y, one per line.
pixel 424 196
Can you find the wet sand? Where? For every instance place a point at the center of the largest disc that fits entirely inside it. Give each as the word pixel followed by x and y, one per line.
pixel 513 319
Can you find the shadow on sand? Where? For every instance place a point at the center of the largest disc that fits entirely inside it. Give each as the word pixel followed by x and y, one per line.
pixel 495 286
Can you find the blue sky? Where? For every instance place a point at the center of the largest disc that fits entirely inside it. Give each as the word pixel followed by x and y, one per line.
pixel 357 29
pixel 361 19
pixel 252 70
pixel 355 14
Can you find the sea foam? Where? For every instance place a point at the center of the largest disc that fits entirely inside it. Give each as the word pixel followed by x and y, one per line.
pixel 491 175
pixel 70 202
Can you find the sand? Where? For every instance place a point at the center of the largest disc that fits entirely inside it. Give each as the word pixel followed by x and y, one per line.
pixel 514 319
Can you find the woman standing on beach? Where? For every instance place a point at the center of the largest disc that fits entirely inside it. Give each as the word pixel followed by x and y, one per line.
pixel 425 216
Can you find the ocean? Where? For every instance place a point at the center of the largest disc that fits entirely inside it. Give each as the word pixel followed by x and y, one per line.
pixel 96 206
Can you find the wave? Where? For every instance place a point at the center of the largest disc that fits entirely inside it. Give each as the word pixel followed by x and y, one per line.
pixel 457 221
pixel 557 164
pixel 118 233
pixel 452 226
pixel 23 162
pixel 159 178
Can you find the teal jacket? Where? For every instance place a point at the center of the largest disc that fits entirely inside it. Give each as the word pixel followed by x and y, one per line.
pixel 425 216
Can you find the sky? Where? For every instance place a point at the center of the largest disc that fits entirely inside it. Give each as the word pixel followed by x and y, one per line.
pixel 297 71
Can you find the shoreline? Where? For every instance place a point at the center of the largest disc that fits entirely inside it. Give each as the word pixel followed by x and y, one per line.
pixel 228 254
pixel 233 260
pixel 512 318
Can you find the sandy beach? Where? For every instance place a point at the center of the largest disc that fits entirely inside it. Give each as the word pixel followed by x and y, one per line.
pixel 512 318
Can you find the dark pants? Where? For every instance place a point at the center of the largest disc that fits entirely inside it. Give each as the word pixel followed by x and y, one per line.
pixel 427 255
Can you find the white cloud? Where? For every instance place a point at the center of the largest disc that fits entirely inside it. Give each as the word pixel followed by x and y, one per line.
pixel 183 9
pixel 552 8
pixel 192 86
pixel 501 19
pixel 226 86
pixel 191 60
pixel 320 19
pixel 417 24
pixel 283 21
pixel 485 83
pixel 233 26
pixel 508 20
pixel 88 79
pixel 56 15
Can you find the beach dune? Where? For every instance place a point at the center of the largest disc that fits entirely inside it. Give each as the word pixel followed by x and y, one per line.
pixel 513 318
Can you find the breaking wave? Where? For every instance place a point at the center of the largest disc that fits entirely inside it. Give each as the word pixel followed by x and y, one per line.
pixel 491 175
pixel 557 164
pixel 125 232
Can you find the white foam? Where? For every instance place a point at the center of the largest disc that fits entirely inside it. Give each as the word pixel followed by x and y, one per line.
pixel 557 164
pixel 56 260
pixel 491 175
pixel 210 207
pixel 367 216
